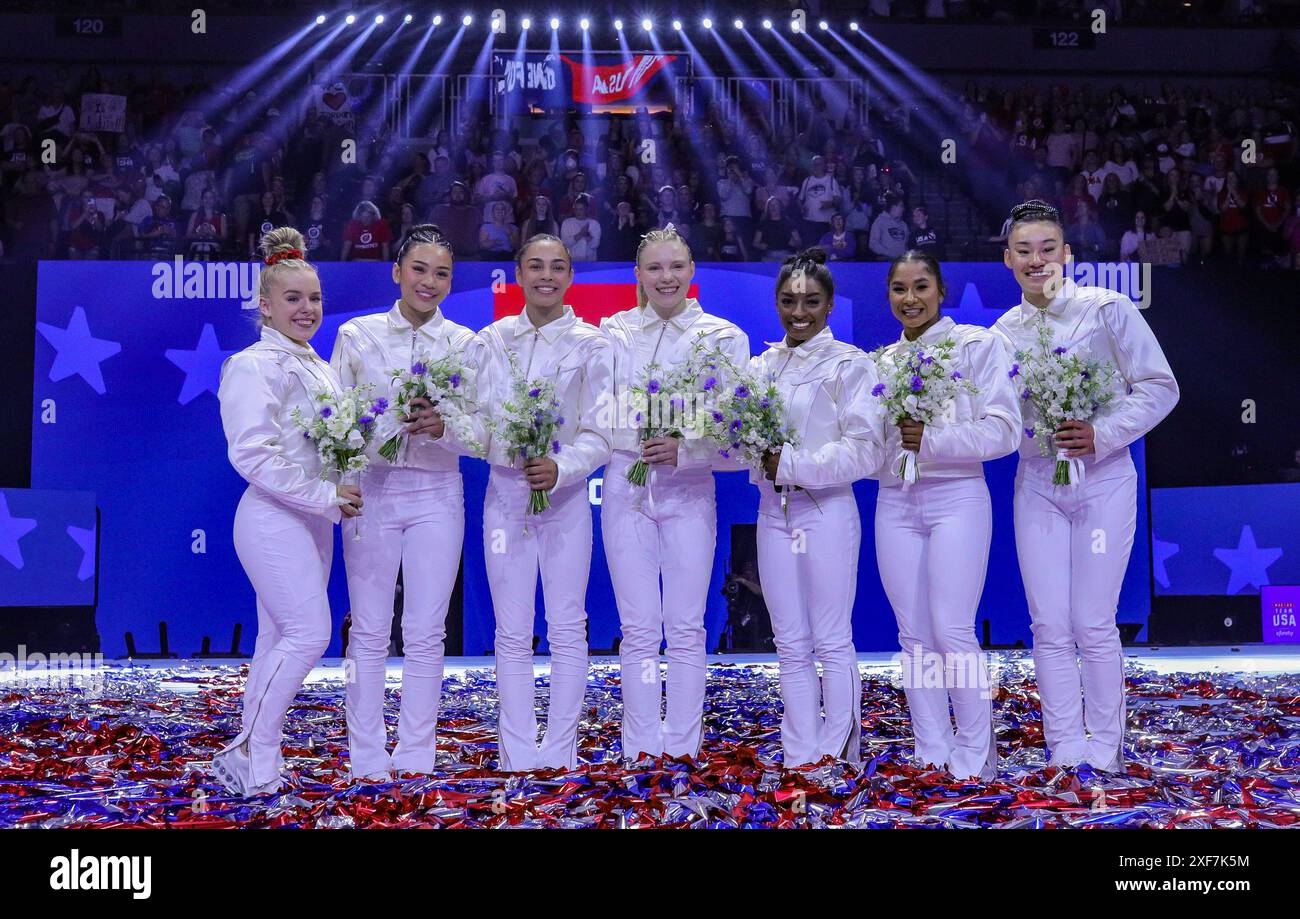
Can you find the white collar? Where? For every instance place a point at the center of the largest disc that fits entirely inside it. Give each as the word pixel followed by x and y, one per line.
pixel 279 340
pixel 807 348
pixel 552 330
pixel 399 323
pixel 1056 308
pixel 936 332
pixel 682 321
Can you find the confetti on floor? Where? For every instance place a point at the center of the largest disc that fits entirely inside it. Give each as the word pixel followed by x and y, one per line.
pixel 130 748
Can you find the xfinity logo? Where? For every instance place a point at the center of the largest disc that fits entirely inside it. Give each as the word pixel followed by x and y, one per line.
pixel 103 872
pixel 182 280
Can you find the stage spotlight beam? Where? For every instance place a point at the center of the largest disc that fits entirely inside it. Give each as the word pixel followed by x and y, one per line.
pixel 379 20
pixel 350 19
pixel 585 24
pixel 739 23
pixel 618 25
pixel 647 24
pixel 555 23
pixel 320 20
pixel 467 21
pixel 526 24
pixel 437 19
pixel 708 23
pixel 767 24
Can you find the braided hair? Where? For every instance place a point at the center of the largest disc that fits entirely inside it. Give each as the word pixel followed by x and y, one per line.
pixel 811 263
pixel 423 234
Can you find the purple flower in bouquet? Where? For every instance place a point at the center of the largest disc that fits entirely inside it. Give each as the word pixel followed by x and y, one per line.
pixel 418 368
pixel 454 380
pixel 652 387
pixel 1014 371
pixel 326 412
pixel 1059 349
pixel 710 383
pixel 956 374
pixel 534 393
pixel 878 390
pixel 366 419
pixel 555 446
pixel 917 384
pixel 742 392
pixel 1029 432
pixel 380 406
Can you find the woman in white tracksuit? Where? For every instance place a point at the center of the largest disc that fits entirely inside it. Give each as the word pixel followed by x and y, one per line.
pixel 808 551
pixel 284 524
pixel 668 527
pixel 548 341
pixel 1073 541
pixel 933 535
pixel 415 519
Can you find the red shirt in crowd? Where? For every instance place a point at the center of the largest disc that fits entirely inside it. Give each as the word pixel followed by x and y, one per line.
pixel 1273 204
pixel 367 241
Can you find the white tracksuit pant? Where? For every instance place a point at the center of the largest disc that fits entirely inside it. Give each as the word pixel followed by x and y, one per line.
pixel 515 545
pixel 414 518
pixel 287 555
pixel 668 527
pixel 932 547
pixel 809 571
pixel 1073 544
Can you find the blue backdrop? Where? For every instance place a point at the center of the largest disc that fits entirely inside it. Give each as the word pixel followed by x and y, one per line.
pixel 126 372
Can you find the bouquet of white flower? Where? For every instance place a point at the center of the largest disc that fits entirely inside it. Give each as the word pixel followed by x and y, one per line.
pixel 528 424
pixel 444 383
pixel 342 428
pixel 918 382
pixel 665 403
pixel 747 419
pixel 1060 387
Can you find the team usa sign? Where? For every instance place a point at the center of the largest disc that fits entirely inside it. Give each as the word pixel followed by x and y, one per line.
pixel 542 81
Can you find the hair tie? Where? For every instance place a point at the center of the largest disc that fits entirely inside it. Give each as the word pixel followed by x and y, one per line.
pixel 282 255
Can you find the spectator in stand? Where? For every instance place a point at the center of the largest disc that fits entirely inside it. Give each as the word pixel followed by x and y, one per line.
pixel 888 239
pixel 777 236
pixel 1116 212
pixel 541 220
pixel 839 243
pixel 1078 194
pixel 1176 210
pixel 1087 241
pixel 1062 147
pixel 85 229
pixel 924 237
pixel 1093 174
pixel 581 232
pixel 406 220
pixel 434 187
pixel 1120 164
pixel 577 187
pixel 158 233
pixel 1134 237
pixel 321 244
pixel 1234 223
pixel 1149 189
pixel 497 185
pixel 1271 205
pixel 734 191
pixel 499 238
pixel 208 229
pixel 1201 217
pixel 459 220
pixel 732 248
pixel 819 198
pixel 706 236
pixel 263 221
pixel 621 234
pixel 367 236
pixel 667 212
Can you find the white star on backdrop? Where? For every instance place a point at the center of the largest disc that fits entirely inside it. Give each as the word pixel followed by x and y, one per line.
pixel 77 351
pixel 12 529
pixel 1248 563
pixel 202 365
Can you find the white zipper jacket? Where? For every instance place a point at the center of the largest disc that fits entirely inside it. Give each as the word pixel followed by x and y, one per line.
pixel 260 387
pixel 368 347
pixel 576 356
pixel 638 337
pixel 826 386
pixel 1108 325
pixel 982 426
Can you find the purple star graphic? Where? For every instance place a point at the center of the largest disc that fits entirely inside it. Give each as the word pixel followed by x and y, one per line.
pixel 85 539
pixel 1160 551
pixel 1248 563
pixel 77 351
pixel 202 365
pixel 12 529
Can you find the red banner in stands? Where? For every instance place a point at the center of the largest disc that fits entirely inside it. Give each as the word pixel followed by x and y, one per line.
pixel 591 302
pixel 595 84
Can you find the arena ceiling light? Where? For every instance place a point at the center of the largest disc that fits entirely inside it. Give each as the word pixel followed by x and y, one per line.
pixel 584 24
pixel 739 23
pixel 350 19
pixel 555 23
pixel 407 18
pixel 618 25
pixel 437 19
pixel 823 25
pixel 647 24
pixel 320 20
pixel 526 24
pixel 379 20
pixel 767 24
pixel 708 23
pixel 853 26
pixel 468 20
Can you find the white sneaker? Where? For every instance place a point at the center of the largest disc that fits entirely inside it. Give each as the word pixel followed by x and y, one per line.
pixel 231 767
